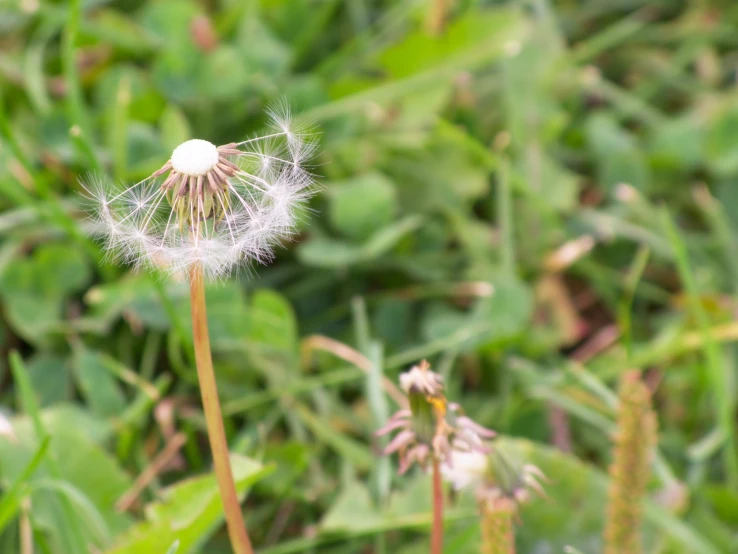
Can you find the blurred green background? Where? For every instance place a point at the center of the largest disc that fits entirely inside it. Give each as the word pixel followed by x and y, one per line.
pixel 534 195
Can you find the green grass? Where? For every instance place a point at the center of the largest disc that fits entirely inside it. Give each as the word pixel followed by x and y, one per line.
pixel 450 166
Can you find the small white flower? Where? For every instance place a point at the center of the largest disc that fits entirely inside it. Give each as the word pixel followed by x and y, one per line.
pixel 215 207
pixel 465 467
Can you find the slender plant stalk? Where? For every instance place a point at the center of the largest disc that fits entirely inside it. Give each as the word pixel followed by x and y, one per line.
pixel 629 472
pixel 214 417
pixel 26 529
pixel 437 16
pixel 498 535
pixel 505 217
pixel 437 532
pixel 718 370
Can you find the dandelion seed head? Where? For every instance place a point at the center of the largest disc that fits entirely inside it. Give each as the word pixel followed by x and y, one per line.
pixel 216 207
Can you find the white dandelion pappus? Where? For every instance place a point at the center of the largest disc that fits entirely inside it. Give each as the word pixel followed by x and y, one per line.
pixel 465 467
pixel 208 206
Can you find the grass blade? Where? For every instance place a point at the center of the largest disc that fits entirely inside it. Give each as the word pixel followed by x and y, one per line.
pixel 720 379
pixel 10 502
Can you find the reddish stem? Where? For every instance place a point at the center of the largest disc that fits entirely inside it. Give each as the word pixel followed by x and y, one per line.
pixel 437 532
pixel 214 418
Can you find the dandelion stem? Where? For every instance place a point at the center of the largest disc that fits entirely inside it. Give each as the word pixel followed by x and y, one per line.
pixel 437 532
pixel 213 416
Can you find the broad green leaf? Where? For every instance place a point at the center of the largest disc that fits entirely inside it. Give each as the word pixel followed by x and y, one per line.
pixel 84 474
pixel 348 448
pixel 167 19
pixel 113 28
pixel 352 509
pixel 50 378
pixel 10 501
pixel 267 62
pixel 474 34
pixel 575 513
pixel 722 143
pixel 354 513
pixel 678 143
pixel 62 269
pixel 133 295
pixel 271 322
pixel 223 76
pixel 290 460
pixel 35 288
pixel 618 155
pixel 508 311
pixel 189 512
pixel 327 252
pixel 175 129
pixel 32 316
pixel 441 320
pixel 97 384
pixel 500 318
pixel 227 312
pixel 145 102
pixel 362 206
pixel 178 63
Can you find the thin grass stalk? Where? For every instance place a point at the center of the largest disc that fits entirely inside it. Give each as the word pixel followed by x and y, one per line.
pixel 505 214
pixel 437 16
pixel 498 533
pixel 214 418
pixel 718 372
pixel 437 532
pixel 26 529
pixel 629 472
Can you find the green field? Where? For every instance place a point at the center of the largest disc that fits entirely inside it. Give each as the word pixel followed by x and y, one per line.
pixel 533 195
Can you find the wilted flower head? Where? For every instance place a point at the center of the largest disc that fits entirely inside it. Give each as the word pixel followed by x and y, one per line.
pixel 420 379
pixel 208 206
pixel 495 478
pixel 430 426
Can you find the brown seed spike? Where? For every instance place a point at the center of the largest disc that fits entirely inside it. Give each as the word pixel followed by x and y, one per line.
pixel 182 185
pixel 228 163
pixel 225 169
pixel 166 167
pixel 199 185
pixel 223 177
pixel 169 181
pixel 211 181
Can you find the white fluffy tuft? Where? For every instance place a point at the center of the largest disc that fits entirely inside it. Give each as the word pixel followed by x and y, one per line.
pixel 140 227
pixel 195 157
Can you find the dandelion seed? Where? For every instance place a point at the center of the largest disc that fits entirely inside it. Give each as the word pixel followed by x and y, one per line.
pixel 214 207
